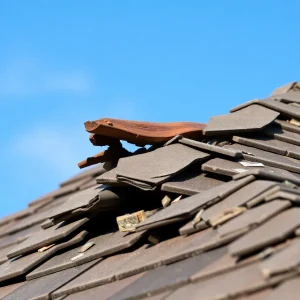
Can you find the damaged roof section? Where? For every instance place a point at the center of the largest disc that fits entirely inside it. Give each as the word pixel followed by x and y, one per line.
pixel 211 211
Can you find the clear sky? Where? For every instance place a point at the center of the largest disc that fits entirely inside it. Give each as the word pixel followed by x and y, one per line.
pixel 63 62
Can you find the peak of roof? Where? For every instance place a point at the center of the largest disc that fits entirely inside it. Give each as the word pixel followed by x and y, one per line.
pixel 209 210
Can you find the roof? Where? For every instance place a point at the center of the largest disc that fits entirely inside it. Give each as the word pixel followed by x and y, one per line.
pixel 206 212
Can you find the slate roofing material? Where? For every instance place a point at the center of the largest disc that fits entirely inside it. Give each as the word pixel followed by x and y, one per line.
pixel 46 237
pixel 275 230
pixel 162 164
pixel 22 265
pixel 248 119
pixel 268 158
pixel 253 217
pixel 229 229
pixel 41 288
pixel 191 182
pixel 191 205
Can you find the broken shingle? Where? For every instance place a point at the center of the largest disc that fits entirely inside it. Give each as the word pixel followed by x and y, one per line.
pixel 148 170
pixel 81 199
pixel 238 198
pixel 189 206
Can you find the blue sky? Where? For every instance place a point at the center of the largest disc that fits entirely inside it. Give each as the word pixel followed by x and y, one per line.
pixel 65 62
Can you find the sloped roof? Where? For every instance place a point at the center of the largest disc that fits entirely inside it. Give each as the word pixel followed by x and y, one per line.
pixel 207 212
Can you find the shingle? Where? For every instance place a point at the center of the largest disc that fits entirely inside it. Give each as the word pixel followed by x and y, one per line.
pixel 36 218
pixel 54 203
pixel 99 274
pixel 274 231
pixel 274 105
pixel 192 245
pixel 190 205
pixel 224 264
pixel 248 119
pixel 287 290
pixel 78 200
pixel 234 168
pixel 288 97
pixel 262 197
pixel 280 134
pixel 283 108
pixel 46 237
pixel 110 178
pixel 269 173
pixel 19 236
pixel 22 265
pixel 41 288
pixel 282 261
pixel 3 253
pixel 6 290
pixel 88 173
pixel 191 182
pixel 190 227
pixel 17 215
pixel 284 195
pixel 166 252
pixel 269 144
pixel 165 277
pixel 261 295
pixel 104 291
pixel 65 259
pixel 291 86
pixel 223 286
pixel 121 266
pixel 262 142
pixel 238 198
pixel 63 191
pixel 114 243
pixel 210 148
pixel 287 126
pixel 270 159
pixel 148 170
pixel 253 217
